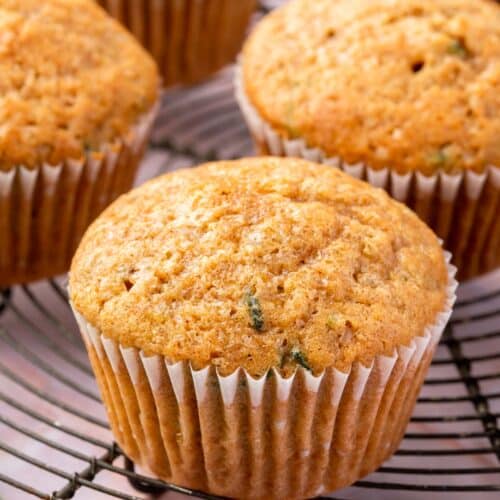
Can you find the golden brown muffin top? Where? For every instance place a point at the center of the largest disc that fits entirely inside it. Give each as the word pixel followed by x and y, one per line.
pixel 412 85
pixel 259 263
pixel 71 80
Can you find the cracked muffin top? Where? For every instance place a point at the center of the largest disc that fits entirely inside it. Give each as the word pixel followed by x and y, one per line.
pixel 411 85
pixel 259 263
pixel 71 80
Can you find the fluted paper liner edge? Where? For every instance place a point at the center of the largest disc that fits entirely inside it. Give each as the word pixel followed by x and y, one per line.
pixel 189 39
pixel 460 208
pixel 65 198
pixel 271 437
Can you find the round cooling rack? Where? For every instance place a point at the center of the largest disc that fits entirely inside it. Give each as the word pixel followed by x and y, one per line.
pixel 54 437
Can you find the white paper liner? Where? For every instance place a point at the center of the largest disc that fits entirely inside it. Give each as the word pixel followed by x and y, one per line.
pixel 460 208
pixel 44 211
pixel 189 39
pixel 270 437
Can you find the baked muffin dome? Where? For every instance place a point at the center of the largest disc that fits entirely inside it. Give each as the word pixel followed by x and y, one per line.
pixel 259 263
pixel 410 85
pixel 71 80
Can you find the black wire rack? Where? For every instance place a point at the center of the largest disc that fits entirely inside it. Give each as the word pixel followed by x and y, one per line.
pixel 55 441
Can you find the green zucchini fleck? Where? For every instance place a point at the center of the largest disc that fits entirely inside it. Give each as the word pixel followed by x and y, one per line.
pixel 437 158
pixel 334 320
pixel 87 148
pixel 254 311
pixel 458 48
pixel 300 358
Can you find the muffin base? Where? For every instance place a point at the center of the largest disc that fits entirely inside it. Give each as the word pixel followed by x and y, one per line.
pixel 461 208
pixel 271 437
pixel 189 39
pixel 45 211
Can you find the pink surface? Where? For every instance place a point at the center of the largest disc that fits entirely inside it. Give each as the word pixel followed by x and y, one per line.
pixel 72 364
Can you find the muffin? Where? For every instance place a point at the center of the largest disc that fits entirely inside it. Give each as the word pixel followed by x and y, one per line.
pixel 402 94
pixel 77 100
pixel 189 39
pixel 260 328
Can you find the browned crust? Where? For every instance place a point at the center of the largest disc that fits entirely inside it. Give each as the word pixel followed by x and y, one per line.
pixel 341 271
pixel 71 80
pixel 411 85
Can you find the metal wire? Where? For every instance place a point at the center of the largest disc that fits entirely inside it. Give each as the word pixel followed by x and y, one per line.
pixel 106 461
